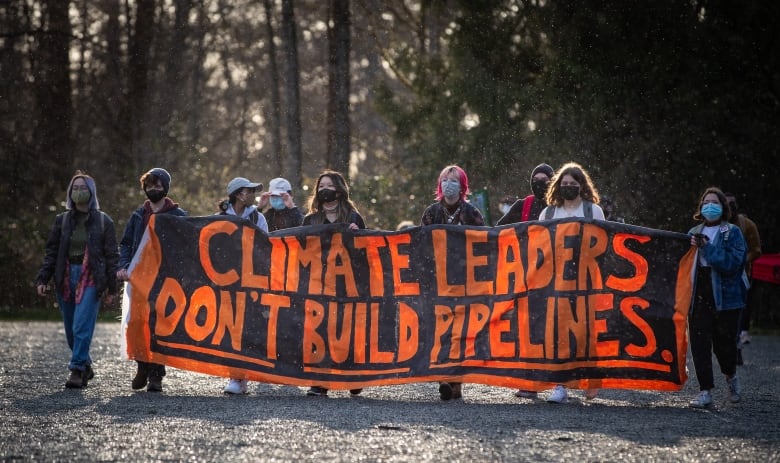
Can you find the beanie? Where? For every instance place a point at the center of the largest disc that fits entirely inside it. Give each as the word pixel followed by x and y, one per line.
pixel 544 169
pixel 164 176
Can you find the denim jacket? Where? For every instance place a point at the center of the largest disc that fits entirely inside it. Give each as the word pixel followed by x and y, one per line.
pixel 134 231
pixel 726 255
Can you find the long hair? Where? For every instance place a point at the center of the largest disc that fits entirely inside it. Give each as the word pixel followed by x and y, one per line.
pixel 724 204
pixel 93 200
pixel 464 181
pixel 346 206
pixel 588 191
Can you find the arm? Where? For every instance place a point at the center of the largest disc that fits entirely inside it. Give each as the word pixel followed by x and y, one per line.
pixel 753 240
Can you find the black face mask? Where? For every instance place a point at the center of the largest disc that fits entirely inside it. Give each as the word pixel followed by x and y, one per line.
pixel 570 192
pixel 327 196
pixel 539 188
pixel 155 195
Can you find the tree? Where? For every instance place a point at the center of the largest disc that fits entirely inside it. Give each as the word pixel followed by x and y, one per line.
pixel 292 95
pixel 338 86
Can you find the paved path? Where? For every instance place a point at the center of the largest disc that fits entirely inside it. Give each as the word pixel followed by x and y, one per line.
pixel 192 420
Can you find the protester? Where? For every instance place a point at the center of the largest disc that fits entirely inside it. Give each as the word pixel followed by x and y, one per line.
pixel 720 292
pixel 156 184
pixel 281 212
pixel 240 203
pixel 451 208
pixel 81 254
pixel 529 207
pixel 330 203
pixel 750 233
pixel 610 210
pixel 571 194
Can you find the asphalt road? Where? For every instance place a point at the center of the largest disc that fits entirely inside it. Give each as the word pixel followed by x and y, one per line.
pixel 192 420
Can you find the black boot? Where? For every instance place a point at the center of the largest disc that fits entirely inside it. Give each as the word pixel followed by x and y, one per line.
pixel 141 376
pixel 75 381
pixel 155 383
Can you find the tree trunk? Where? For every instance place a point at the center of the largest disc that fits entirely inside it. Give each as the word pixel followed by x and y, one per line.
pixel 338 86
pixel 53 95
pixel 292 95
pixel 136 128
pixel 276 117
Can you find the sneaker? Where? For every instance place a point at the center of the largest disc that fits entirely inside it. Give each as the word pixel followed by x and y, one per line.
pixel 236 386
pixel 744 337
pixel 559 395
pixel 735 389
pixel 317 391
pixel 355 391
pixel 526 394
pixel 75 380
pixel 445 391
pixel 155 384
pixel 703 400
pixel 141 377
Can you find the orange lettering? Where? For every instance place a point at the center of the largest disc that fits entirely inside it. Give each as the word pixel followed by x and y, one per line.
pixel 274 303
pixel 206 233
pixel 230 321
pixel 498 326
pixel 444 318
pixel 569 323
pixel 339 345
pixel 527 349
pixel 376 275
pixel 600 303
pixel 339 264
pixel 505 266
pixel 564 254
pixel 639 279
pixel 594 244
pixel 401 261
pixel 202 298
pixel 248 277
pixel 313 344
pixel 439 238
pixel 479 314
pixel 475 287
pixel 376 355
pixel 539 245
pixel 408 332
pixel 171 291
pixel 627 309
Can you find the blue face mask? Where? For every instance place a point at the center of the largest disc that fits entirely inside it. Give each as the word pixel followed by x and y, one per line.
pixel 450 188
pixel 711 211
pixel 277 203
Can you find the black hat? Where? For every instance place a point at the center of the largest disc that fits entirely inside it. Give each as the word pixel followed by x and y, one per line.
pixel 164 176
pixel 543 168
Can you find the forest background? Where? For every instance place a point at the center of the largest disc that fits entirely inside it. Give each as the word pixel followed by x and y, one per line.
pixel 657 99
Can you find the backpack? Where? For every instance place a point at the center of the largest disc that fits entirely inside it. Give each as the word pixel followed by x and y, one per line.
pixel 587 210
pixel 252 216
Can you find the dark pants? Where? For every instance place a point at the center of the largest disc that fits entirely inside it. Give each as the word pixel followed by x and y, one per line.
pixel 744 321
pixel 711 331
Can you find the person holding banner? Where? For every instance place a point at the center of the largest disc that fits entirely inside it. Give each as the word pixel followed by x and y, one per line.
pixel 571 194
pixel 330 203
pixel 531 206
pixel 156 184
pixel 451 208
pixel 81 255
pixel 240 203
pixel 719 295
pixel 282 213
pixel 527 209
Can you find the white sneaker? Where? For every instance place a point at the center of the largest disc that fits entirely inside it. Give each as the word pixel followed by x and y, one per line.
pixel 703 400
pixel 236 386
pixel 559 395
pixel 735 389
pixel 744 338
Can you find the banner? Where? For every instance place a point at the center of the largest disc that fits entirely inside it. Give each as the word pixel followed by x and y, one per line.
pixel 580 302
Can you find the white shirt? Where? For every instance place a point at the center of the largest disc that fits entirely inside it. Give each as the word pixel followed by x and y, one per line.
pixel 561 213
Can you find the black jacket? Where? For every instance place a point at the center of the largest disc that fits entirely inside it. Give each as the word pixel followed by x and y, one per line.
pixel 101 242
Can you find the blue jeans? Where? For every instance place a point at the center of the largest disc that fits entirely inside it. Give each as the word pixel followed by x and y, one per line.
pixel 79 319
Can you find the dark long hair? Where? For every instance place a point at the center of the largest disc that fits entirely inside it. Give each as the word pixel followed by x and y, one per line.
pixel 346 206
pixel 588 191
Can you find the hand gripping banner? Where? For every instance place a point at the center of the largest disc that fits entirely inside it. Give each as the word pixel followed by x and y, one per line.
pixel 580 302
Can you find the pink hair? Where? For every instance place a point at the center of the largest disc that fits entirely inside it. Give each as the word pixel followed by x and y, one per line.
pixel 464 182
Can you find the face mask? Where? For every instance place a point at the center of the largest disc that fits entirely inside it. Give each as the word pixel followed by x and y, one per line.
pixel 80 196
pixel 450 188
pixel 327 196
pixel 505 208
pixel 277 203
pixel 539 188
pixel 155 195
pixel 711 211
pixel 570 192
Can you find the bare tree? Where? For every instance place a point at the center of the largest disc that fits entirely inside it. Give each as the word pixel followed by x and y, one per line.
pixel 338 86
